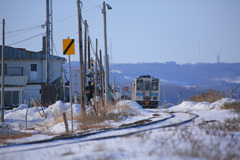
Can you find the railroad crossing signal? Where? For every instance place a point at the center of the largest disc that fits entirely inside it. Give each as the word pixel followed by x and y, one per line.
pixel 68 47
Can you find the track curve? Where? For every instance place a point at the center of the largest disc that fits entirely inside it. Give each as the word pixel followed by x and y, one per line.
pixel 104 134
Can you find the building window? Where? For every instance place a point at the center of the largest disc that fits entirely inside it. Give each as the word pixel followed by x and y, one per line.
pixel 11 98
pixel 33 72
pixel 33 67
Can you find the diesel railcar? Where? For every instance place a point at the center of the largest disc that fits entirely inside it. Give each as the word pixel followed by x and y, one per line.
pixel 146 91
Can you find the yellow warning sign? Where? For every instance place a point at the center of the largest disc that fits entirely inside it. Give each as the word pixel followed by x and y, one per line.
pixel 68 47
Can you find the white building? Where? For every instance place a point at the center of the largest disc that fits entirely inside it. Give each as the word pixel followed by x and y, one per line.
pixel 25 73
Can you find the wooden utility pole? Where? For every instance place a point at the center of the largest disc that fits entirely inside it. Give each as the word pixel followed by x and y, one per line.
pixel 106 59
pixel 105 55
pixel 101 76
pixel 3 68
pixel 83 109
pixel 114 93
pixel 85 60
pixel 51 14
pixel 100 68
pixel 85 53
pixel 48 43
pixel 96 77
pixel 89 63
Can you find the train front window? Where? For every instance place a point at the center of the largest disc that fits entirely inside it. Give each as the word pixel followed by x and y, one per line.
pixel 154 85
pixel 139 84
pixel 147 86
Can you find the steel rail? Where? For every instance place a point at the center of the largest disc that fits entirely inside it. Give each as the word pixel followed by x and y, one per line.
pixel 100 138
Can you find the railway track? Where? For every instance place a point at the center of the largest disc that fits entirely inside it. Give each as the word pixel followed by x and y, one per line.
pixel 101 135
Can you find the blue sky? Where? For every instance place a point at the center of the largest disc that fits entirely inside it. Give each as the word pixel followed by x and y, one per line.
pixel 185 31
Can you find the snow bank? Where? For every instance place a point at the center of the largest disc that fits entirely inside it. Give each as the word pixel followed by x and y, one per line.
pixel 60 128
pixel 220 103
pixel 56 109
pixel 22 106
pixel 19 114
pixel 194 106
pixel 16 117
pixel 133 106
pixel 59 107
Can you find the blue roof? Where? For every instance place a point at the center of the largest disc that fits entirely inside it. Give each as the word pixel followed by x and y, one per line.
pixel 20 53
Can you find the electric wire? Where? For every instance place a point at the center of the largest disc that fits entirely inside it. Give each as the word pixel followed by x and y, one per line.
pixel 40 26
pixel 22 32
pixel 9 33
pixel 65 18
pixel 24 29
pixel 26 39
pixel 91 9
pixel 55 48
pixel 29 29
pixel 76 15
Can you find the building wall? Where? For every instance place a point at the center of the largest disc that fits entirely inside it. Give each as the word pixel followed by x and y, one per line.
pixel 26 65
pixel 56 69
pixel 32 91
pixel 41 69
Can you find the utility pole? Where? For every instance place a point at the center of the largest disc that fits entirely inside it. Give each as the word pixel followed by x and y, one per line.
pixel 47 44
pixel 101 76
pixel 3 67
pixel 85 60
pixel 96 77
pixel 89 55
pixel 114 85
pixel 85 53
pixel 83 109
pixel 105 55
pixel 51 14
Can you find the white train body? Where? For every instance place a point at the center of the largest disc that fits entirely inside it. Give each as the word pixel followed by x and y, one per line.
pixel 146 91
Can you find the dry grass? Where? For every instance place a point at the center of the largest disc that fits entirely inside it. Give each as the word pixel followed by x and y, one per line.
pixel 96 119
pixel 210 96
pixel 215 140
pixel 235 106
pixel 208 140
pixel 4 136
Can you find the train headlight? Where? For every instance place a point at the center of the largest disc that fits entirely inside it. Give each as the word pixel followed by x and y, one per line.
pixel 146 103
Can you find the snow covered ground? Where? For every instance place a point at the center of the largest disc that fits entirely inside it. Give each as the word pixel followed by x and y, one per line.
pixel 201 139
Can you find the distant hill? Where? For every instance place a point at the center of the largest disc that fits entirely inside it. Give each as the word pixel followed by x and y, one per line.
pixel 176 78
pixel 218 75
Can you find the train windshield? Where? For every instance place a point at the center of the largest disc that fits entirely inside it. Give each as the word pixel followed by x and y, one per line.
pixel 147 86
pixel 139 84
pixel 155 85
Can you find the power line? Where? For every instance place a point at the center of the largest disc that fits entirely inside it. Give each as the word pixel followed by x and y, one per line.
pixel 55 48
pixel 24 29
pixel 9 33
pixel 26 39
pixel 43 25
pixel 65 18
pixel 76 15
pixel 91 8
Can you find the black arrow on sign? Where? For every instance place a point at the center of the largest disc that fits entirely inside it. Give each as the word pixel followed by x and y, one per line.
pixel 70 44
